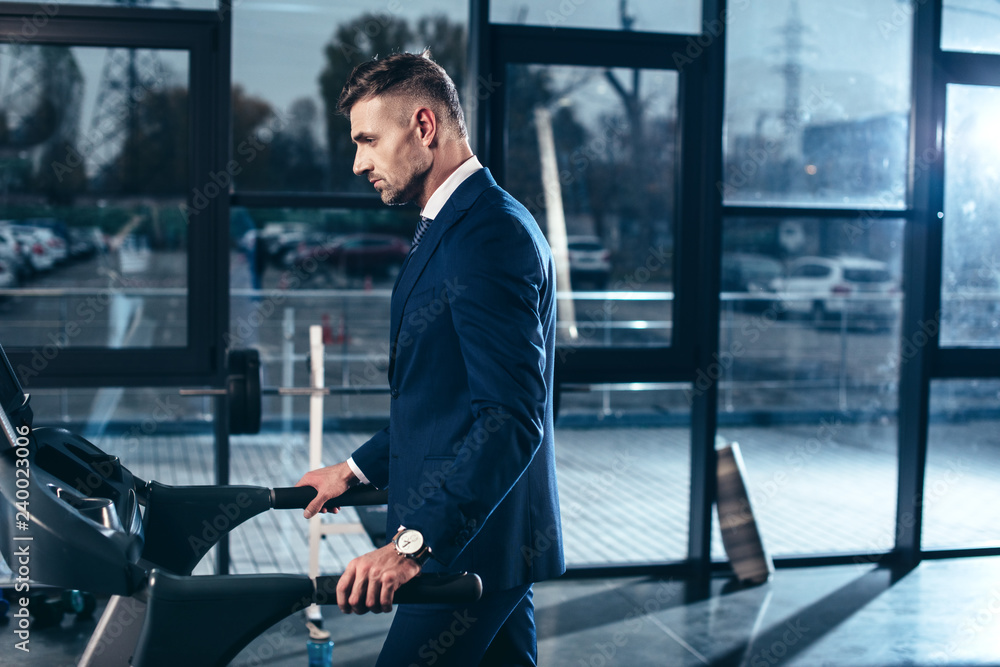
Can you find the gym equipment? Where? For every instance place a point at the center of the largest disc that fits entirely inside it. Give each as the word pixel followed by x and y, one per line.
pixel 50 611
pixel 90 525
pixel 244 391
pixel 740 537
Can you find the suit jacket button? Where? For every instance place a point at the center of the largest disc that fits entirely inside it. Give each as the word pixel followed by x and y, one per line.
pixel 394 392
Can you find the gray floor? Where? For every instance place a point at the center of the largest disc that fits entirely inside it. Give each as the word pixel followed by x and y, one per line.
pixel 942 613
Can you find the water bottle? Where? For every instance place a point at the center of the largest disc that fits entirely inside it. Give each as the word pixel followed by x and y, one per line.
pixel 319 647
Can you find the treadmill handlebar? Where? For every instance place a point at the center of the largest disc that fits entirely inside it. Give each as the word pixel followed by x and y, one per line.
pixel 444 588
pixel 298 497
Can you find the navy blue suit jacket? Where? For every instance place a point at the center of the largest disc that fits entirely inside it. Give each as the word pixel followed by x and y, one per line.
pixel 468 455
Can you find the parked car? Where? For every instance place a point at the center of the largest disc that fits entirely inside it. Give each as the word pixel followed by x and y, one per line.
pixel 36 246
pixel 281 238
pixel 11 253
pixel 59 240
pixel 356 254
pixel 749 276
pixel 589 261
pixel 824 288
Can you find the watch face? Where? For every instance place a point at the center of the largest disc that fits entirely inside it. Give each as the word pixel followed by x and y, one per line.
pixel 410 542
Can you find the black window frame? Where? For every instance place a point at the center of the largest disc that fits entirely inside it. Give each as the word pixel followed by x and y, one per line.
pixel 205 35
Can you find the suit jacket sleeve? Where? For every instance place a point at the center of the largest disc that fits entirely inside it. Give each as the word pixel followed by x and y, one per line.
pixel 373 459
pixel 498 324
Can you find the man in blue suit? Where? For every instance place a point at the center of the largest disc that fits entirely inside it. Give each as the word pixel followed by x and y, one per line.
pixel 468 456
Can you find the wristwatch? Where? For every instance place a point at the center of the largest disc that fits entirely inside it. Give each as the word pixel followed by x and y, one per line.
pixel 410 544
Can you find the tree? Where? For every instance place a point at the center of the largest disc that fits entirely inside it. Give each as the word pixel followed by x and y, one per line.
pixel 295 161
pixel 362 39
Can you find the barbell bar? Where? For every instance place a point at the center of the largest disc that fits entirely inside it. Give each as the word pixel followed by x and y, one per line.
pixel 244 391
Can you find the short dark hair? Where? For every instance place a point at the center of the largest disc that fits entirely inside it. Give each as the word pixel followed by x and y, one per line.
pixel 406 75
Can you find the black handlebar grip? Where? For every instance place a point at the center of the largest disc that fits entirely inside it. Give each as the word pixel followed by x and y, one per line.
pixel 422 589
pixel 298 497
pixel 440 588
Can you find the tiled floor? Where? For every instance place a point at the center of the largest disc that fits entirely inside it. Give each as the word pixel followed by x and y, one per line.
pixel 826 488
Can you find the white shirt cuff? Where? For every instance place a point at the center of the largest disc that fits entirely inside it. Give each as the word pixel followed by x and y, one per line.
pixel 357 471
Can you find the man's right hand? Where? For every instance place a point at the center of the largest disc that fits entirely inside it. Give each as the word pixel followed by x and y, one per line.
pixel 329 482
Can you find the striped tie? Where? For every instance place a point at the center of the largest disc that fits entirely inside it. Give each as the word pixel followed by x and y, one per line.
pixel 421 229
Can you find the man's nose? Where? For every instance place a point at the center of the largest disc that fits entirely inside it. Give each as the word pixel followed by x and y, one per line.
pixel 361 163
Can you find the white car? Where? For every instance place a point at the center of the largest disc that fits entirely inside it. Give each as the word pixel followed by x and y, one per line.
pixel 589 261
pixel 35 246
pixel 827 288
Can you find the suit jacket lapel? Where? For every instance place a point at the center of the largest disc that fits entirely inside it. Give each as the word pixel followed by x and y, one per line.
pixel 454 210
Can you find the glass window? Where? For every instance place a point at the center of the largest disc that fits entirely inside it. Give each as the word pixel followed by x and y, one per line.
pixel 290 62
pixel 808 379
pixel 961 497
pixel 970 279
pixel 94 179
pixel 970 25
pixel 817 104
pixel 623 460
pixel 579 157
pixel 294 268
pixel 49 8
pixel 676 16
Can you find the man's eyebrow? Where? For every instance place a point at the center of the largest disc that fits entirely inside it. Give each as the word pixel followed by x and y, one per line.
pixel 360 134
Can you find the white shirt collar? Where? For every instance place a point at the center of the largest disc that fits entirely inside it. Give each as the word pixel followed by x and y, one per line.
pixel 444 192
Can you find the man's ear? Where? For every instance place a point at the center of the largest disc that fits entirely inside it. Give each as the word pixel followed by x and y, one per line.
pixel 427 126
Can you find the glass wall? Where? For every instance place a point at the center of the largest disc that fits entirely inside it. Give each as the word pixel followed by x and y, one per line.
pixel 676 16
pixel 49 8
pixel 808 376
pixel 817 104
pixel 593 154
pixel 817 116
pixel 295 268
pixel 94 173
pixel 970 273
pixel 290 62
pixel 961 497
pixel 970 25
pixel 623 462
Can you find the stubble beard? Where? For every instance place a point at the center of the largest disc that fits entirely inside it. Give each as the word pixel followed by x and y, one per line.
pixel 409 191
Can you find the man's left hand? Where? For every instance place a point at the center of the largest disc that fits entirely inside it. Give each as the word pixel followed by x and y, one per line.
pixel 370 581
